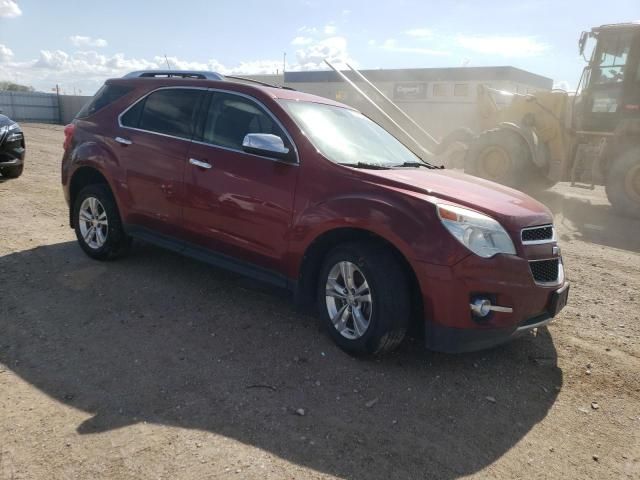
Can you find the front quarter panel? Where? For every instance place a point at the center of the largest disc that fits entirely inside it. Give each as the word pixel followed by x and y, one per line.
pixel 410 224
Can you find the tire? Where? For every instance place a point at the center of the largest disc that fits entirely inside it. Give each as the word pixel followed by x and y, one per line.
pixel 501 156
pixel 623 184
pixel 387 313
pixel 108 241
pixel 12 172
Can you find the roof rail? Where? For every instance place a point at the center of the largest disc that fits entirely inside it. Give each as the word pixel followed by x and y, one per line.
pixel 258 82
pixel 202 75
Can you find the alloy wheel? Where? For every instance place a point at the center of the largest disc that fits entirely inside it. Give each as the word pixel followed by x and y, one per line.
pixel 93 222
pixel 348 300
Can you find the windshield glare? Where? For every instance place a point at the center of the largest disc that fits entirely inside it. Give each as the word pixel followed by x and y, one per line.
pixel 347 137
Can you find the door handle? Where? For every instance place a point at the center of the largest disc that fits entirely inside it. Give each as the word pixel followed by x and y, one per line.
pixel 123 141
pixel 200 163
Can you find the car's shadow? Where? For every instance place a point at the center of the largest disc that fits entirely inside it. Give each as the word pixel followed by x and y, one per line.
pixel 159 338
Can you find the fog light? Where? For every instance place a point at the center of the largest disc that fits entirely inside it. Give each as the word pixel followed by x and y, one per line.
pixel 481 307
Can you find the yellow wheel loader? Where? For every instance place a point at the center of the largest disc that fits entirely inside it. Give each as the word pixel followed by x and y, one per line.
pixel 590 138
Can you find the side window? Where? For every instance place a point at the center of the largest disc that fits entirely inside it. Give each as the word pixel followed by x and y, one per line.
pixel 171 112
pixel 231 117
pixel 132 116
pixel 103 97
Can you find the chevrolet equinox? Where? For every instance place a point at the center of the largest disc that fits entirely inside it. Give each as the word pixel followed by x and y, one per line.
pixel 310 195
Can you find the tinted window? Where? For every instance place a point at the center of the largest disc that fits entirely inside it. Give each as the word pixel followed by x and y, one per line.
pixel 132 116
pixel 231 117
pixel 106 95
pixel 171 112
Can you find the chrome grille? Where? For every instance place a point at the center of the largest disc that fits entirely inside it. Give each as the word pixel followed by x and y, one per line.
pixel 545 271
pixel 541 234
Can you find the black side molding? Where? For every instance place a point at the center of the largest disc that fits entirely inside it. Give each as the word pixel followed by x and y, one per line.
pixel 211 257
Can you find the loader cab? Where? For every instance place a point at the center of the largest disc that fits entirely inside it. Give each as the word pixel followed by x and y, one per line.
pixel 610 84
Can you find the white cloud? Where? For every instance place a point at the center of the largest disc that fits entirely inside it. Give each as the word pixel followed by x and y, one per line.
pixel 83 41
pixel 419 33
pixel 5 54
pixel 506 46
pixel 391 45
pixel 312 57
pixel 330 29
pixel 301 41
pixel 87 70
pixel 9 9
pixel 308 30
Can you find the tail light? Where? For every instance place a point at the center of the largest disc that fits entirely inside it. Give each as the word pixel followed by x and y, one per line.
pixel 68 135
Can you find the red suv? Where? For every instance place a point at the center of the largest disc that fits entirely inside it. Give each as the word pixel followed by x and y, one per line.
pixel 310 195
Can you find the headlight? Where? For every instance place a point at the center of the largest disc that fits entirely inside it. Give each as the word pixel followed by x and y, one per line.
pixel 479 233
pixel 8 128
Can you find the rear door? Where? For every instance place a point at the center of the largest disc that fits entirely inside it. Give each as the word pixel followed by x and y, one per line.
pixel 239 204
pixel 152 145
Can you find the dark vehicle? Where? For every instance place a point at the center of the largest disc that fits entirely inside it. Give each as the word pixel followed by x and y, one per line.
pixel 12 148
pixel 312 196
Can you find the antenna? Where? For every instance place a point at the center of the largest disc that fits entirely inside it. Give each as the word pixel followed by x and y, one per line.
pixel 167 60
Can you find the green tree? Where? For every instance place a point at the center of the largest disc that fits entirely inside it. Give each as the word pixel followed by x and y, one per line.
pixel 15 87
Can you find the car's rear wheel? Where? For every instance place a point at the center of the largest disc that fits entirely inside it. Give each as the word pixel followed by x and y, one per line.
pixel 363 297
pixel 97 223
pixel 12 172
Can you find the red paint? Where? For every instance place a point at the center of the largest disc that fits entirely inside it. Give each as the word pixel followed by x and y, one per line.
pixel 268 212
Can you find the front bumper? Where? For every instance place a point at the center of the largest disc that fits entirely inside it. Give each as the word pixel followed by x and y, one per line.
pixel 507 280
pixel 12 149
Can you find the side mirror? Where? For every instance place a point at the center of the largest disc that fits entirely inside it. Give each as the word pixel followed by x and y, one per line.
pixel 265 144
pixel 582 42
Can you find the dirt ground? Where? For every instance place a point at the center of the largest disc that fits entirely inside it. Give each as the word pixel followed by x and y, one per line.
pixel 157 366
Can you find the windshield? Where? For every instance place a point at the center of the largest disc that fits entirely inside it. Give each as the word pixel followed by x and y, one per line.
pixel 610 57
pixel 347 137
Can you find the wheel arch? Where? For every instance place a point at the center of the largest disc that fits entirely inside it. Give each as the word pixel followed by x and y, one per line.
pixel 80 178
pixel 316 251
pixel 528 136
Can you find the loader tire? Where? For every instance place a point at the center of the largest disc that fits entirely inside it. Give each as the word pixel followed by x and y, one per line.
pixel 623 184
pixel 502 156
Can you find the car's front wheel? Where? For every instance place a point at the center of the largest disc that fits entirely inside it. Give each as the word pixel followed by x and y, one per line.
pixel 97 223
pixel 363 298
pixel 12 172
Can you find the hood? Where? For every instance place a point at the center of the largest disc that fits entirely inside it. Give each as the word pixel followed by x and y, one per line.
pixel 512 208
pixel 4 120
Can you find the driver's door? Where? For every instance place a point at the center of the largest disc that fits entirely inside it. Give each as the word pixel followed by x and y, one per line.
pixel 237 203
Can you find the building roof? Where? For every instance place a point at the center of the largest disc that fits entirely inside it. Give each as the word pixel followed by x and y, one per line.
pixel 482 74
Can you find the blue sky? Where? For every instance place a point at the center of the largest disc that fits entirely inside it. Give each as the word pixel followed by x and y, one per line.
pixel 78 44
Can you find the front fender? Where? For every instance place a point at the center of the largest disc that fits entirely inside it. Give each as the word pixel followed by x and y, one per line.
pixel 538 152
pixel 408 223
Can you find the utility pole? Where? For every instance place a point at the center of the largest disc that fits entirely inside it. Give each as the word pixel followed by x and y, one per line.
pixel 59 105
pixel 167 60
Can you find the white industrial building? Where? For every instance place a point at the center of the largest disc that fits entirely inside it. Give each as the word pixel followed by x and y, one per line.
pixel 439 99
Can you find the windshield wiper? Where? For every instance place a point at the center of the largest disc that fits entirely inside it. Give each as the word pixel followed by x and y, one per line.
pixel 418 164
pixel 370 166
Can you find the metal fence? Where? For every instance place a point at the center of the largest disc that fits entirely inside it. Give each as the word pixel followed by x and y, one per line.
pixel 40 107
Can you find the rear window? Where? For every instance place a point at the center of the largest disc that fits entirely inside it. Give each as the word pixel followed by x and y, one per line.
pixel 106 95
pixel 169 112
